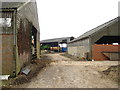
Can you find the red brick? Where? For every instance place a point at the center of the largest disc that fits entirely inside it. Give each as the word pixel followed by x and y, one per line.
pixel 98 49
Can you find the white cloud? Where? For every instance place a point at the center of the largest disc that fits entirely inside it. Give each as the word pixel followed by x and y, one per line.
pixel 61 18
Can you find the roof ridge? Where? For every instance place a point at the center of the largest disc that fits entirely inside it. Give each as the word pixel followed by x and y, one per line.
pixel 84 35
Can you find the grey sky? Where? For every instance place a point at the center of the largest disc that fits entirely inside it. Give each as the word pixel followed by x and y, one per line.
pixel 64 18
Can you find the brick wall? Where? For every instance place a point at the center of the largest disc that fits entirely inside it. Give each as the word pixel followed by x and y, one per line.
pixel 98 49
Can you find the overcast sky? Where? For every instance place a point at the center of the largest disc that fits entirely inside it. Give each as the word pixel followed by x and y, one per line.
pixel 65 18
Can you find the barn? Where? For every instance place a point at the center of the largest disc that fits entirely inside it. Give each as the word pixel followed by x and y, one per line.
pixel 100 43
pixel 56 44
pixel 19 34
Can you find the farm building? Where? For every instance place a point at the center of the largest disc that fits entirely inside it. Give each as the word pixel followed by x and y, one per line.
pixel 56 44
pixel 100 43
pixel 19 34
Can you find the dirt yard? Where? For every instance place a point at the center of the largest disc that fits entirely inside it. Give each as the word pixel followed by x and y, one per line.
pixel 67 73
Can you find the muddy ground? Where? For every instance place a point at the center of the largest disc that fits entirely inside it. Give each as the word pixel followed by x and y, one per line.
pixel 67 73
pixel 35 66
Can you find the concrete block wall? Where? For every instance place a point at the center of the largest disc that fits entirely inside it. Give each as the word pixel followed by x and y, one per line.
pixel 79 48
pixel 78 51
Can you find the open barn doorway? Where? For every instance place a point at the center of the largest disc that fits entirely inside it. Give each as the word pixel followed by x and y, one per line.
pixel 107 48
pixel 109 40
pixel 34 42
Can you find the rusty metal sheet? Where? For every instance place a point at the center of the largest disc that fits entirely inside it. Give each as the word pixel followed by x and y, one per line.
pixel 7 18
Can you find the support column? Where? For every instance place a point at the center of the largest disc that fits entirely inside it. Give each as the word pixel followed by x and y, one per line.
pixel 58 47
pixel 38 46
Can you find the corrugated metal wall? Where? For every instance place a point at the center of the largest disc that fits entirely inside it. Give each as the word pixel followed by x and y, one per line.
pixel 16 38
pixel 29 11
pixel 26 19
pixel 7 29
pixel 23 42
pixel 6 32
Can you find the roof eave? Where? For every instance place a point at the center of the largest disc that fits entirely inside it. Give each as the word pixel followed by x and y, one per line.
pixel 78 39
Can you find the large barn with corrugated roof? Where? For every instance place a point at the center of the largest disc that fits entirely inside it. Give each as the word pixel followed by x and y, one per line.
pixel 56 44
pixel 100 43
pixel 20 35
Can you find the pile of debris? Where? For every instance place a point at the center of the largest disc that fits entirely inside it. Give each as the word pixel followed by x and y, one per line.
pixel 28 72
pixel 113 73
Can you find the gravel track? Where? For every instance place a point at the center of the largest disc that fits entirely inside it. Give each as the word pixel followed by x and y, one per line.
pixel 66 73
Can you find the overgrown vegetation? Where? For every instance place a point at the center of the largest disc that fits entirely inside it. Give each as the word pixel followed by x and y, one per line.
pixel 45 47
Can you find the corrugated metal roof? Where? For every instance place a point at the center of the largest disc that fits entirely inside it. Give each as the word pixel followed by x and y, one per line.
pixel 87 34
pixel 55 40
pixel 13 0
pixel 12 3
pixel 25 7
